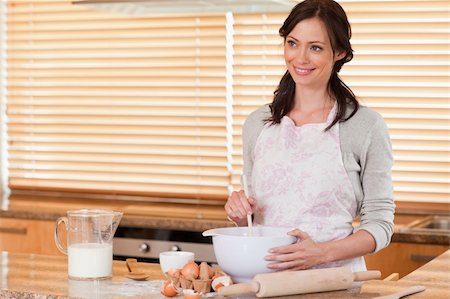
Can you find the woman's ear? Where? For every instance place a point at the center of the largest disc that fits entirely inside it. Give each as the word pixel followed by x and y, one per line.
pixel 339 55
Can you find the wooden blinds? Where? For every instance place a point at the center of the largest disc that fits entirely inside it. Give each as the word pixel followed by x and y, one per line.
pixel 401 69
pixel 111 103
pixel 114 103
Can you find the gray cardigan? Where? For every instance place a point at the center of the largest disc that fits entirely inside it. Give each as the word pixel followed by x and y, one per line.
pixel 367 157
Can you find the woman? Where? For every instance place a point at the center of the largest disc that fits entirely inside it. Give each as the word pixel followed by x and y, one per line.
pixel 314 159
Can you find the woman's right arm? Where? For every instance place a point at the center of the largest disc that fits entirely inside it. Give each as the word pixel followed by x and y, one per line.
pixel 238 205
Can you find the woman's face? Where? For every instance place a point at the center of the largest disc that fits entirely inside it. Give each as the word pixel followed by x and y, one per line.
pixel 308 54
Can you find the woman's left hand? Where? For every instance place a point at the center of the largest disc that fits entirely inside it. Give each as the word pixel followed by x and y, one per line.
pixel 303 254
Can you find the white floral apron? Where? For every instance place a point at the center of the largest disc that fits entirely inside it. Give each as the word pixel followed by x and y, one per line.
pixel 299 181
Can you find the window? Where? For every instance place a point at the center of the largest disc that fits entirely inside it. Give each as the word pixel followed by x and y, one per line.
pixel 3 147
pixel 138 105
pixel 114 104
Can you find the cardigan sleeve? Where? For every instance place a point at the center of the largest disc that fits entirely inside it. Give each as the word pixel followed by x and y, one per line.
pixel 377 207
pixel 252 128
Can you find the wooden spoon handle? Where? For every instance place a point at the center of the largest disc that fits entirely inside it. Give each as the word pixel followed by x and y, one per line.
pixel 403 293
pixel 132 265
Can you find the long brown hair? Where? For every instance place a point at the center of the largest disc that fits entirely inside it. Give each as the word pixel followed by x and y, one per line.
pixel 339 32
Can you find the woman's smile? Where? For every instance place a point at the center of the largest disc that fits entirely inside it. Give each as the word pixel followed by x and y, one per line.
pixel 303 71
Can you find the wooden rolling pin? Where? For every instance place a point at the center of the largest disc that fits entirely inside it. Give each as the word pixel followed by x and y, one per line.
pixel 299 282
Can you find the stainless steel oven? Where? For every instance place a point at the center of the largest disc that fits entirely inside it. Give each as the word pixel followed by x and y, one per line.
pixel 145 244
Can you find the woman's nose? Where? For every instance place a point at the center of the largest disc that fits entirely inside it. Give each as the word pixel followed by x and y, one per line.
pixel 302 55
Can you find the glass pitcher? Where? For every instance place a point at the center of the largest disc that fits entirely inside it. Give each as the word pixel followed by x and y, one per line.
pixel 89 242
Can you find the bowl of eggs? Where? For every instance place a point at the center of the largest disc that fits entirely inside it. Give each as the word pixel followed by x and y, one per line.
pixel 241 251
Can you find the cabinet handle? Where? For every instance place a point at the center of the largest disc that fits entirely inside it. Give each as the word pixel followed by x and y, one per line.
pixel 421 257
pixel 13 230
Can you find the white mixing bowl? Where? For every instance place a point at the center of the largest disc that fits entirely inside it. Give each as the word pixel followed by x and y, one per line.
pixel 242 256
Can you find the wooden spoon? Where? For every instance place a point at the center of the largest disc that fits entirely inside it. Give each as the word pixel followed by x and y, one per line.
pixel 135 273
pixel 403 293
pixel 249 216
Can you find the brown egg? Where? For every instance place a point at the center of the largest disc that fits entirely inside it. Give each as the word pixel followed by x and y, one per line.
pixel 190 271
pixel 168 289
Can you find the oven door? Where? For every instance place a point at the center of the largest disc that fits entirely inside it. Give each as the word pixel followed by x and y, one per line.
pixel 145 244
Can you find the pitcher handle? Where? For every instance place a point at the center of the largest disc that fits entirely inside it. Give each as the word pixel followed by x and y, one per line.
pixel 58 242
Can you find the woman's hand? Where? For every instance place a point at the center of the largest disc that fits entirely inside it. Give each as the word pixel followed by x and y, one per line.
pixel 303 254
pixel 238 206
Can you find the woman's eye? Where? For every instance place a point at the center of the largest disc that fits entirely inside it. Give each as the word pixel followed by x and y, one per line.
pixel 316 48
pixel 291 43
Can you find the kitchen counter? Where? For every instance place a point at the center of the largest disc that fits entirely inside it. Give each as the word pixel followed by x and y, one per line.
pixel 435 276
pixel 25 276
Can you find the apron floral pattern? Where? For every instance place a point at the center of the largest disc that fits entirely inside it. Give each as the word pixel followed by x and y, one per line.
pixel 299 181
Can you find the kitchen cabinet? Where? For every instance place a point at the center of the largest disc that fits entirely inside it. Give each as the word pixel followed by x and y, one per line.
pixel 403 258
pixel 27 236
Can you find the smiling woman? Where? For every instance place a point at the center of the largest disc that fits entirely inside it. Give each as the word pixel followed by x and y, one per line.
pixel 137 105
pixel 410 93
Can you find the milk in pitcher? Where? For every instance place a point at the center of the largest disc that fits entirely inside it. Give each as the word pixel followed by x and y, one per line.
pixel 90 260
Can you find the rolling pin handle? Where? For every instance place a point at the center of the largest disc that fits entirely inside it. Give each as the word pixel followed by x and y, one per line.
pixel 240 288
pixel 366 275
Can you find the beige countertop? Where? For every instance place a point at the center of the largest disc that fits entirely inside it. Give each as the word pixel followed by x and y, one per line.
pixel 26 276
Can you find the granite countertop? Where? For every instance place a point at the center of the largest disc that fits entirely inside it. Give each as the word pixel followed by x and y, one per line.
pixel 193 217
pixel 25 276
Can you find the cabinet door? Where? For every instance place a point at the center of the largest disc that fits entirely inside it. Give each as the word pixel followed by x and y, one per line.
pixel 403 258
pixel 27 236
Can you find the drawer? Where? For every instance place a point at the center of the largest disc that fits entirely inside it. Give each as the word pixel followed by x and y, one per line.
pixel 27 236
pixel 403 258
